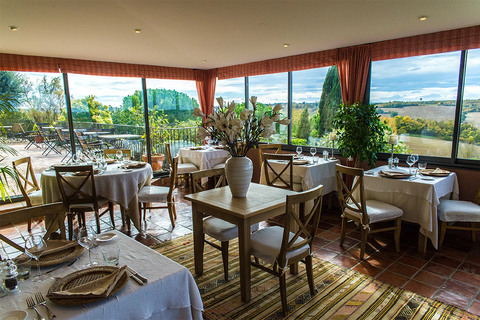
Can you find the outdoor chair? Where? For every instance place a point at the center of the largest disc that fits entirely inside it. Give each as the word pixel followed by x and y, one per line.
pixel 63 143
pixel 30 136
pixel 49 143
pixel 151 194
pixel 452 211
pixel 282 247
pixel 361 211
pixel 79 195
pixel 88 148
pixel 216 228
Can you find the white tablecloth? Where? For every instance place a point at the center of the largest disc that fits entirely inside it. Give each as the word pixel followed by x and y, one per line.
pixel 417 198
pixel 115 184
pixel 171 292
pixel 204 158
pixel 310 175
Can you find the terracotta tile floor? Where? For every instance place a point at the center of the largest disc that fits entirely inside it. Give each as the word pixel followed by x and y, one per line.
pixel 451 275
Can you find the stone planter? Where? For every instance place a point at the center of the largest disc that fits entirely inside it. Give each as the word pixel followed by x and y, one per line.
pixel 157 161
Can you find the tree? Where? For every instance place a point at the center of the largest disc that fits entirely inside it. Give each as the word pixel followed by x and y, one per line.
pixel 45 100
pixel 303 131
pixel 330 101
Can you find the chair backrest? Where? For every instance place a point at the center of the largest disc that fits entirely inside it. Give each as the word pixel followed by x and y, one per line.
pixel 173 179
pixel 127 153
pixel 41 133
pixel 168 154
pixel 54 211
pixel 352 198
pixel 81 140
pixel 60 135
pixel 71 189
pixel 278 178
pixel 303 229
pixel 270 148
pixel 17 127
pixel 26 180
pixel 218 176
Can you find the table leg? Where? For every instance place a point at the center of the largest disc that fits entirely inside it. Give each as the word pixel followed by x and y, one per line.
pixel 422 243
pixel 197 239
pixel 244 256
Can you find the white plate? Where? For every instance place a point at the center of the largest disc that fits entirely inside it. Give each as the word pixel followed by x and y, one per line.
pixel 14 315
pixel 427 178
pixel 103 237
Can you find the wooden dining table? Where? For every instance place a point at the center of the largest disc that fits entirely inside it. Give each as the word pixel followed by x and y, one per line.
pixel 262 202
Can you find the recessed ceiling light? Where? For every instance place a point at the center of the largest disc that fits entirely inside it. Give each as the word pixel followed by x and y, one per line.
pixel 137 30
pixel 13 28
pixel 422 18
pixel 286 45
pixel 204 61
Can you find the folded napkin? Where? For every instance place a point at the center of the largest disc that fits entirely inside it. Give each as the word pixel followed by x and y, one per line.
pixel 300 162
pixel 59 246
pixel 52 166
pixel 94 289
pixel 435 172
pixel 196 148
pixel 394 174
pixel 134 165
pixel 84 173
pixel 440 171
pixel 110 161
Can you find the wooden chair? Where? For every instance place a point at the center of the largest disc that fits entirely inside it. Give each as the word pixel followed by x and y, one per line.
pixel 272 148
pixel 111 153
pixel 279 178
pixel 79 196
pixel 54 213
pixel 216 228
pixel 184 169
pixel 361 211
pixel 27 183
pixel 451 211
pixel 285 247
pixel 151 194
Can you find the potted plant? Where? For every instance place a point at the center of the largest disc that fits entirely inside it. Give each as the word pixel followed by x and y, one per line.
pixel 158 137
pixel 360 132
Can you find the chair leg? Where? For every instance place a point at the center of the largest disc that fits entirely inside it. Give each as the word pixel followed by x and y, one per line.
pixel 112 217
pixel 97 219
pixel 397 234
pixel 29 225
pixel 70 225
pixel 171 212
pixel 309 267
pixel 225 259
pixel 443 230
pixel 363 243
pixel 283 293
pixel 343 231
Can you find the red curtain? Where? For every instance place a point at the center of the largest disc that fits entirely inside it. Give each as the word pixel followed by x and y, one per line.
pixel 206 81
pixel 15 62
pixel 353 66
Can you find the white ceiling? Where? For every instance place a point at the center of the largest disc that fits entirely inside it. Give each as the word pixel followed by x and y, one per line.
pixel 208 34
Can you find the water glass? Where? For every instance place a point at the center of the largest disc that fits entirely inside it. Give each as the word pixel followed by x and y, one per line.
pixel 119 155
pixel 396 161
pixel 24 267
pixel 88 241
pixel 111 254
pixel 35 246
pixel 422 165
pixel 325 155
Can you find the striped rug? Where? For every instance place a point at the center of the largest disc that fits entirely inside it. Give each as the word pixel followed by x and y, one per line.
pixel 341 293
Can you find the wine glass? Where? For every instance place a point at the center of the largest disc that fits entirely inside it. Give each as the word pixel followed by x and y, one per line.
pixel 410 163
pixel 299 151
pixel 422 166
pixel 313 151
pixel 119 155
pixel 35 246
pixel 414 158
pixel 87 241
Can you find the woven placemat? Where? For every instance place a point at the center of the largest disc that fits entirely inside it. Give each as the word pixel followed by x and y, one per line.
pixel 54 258
pixel 82 277
pixel 435 172
pixel 394 175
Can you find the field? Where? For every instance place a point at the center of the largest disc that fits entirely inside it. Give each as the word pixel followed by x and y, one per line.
pixel 473 118
pixel 432 112
pixel 439 148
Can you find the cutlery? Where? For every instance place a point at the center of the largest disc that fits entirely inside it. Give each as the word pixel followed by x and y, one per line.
pixel 31 305
pixel 41 301
pixel 134 277
pixel 61 266
pixel 143 279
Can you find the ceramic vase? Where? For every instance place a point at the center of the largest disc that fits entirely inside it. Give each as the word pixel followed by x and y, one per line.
pixel 239 171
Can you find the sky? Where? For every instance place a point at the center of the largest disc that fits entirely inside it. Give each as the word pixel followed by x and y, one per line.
pixel 432 77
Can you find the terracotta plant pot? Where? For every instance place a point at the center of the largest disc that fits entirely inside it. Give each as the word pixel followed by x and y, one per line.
pixel 157 161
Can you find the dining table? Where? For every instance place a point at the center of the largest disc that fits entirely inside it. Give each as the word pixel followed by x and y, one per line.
pixel 169 293
pixel 115 184
pixel 260 203
pixel 418 196
pixel 203 157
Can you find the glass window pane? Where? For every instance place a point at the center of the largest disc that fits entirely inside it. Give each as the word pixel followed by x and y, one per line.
pixel 316 96
pixel 170 109
pixel 469 147
pixel 417 98
pixel 108 114
pixel 41 106
pixel 271 89
pixel 231 90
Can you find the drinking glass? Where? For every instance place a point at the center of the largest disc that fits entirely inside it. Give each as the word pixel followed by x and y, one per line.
pixel 414 158
pixel 111 254
pixel 410 163
pixel 87 241
pixel 299 151
pixel 119 155
pixel 422 166
pixel 35 246
pixel 313 151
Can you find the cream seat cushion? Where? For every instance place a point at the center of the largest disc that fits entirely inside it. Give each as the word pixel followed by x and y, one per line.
pixel 378 211
pixel 153 194
pixel 36 198
pixel 222 230
pixel 266 244
pixel 455 210
pixel 186 168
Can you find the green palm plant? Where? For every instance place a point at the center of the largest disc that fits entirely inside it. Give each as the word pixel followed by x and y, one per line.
pixel 8 103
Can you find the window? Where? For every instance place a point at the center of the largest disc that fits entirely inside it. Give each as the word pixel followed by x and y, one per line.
pixel 271 89
pixel 417 98
pixel 231 90
pixel 470 120
pixel 316 95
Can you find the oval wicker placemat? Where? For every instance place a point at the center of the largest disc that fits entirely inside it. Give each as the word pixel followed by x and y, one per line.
pixel 82 277
pixel 54 258
pixel 431 172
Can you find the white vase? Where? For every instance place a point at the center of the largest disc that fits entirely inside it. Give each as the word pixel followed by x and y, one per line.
pixel 239 171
